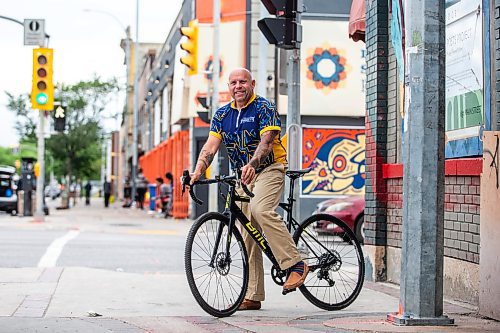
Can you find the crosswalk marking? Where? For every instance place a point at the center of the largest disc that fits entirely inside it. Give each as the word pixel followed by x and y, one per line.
pixel 49 259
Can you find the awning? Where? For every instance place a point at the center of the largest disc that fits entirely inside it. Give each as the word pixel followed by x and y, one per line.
pixel 357 25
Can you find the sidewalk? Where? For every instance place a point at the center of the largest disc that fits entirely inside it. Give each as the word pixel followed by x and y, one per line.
pixel 62 299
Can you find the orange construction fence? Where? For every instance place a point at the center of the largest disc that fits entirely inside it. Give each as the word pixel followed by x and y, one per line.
pixel 172 155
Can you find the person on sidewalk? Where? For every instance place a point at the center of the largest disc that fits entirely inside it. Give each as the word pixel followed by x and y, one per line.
pixel 88 189
pixel 141 185
pixel 107 192
pixel 250 128
pixel 127 193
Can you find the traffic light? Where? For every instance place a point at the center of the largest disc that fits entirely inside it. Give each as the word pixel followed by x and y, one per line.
pixel 282 31
pixel 42 91
pixel 191 47
pixel 59 119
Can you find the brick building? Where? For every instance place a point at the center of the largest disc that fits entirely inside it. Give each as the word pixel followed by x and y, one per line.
pixel 466 266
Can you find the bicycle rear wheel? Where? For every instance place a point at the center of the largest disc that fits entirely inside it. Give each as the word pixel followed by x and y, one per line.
pixel 335 259
pixel 219 288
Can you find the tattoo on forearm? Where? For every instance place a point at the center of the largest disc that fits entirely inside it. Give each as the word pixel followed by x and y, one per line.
pixel 204 160
pixel 263 149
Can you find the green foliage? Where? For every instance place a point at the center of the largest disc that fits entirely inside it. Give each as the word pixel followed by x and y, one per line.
pixel 26 118
pixel 7 157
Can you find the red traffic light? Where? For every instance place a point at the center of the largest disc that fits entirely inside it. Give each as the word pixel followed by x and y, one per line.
pixel 284 8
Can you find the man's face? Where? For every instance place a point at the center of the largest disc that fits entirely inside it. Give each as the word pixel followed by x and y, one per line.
pixel 241 87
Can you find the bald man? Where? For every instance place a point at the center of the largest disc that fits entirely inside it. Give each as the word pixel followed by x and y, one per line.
pixel 250 128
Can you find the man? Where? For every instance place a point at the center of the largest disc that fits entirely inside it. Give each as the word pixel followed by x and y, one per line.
pixel 107 192
pixel 88 189
pixel 250 126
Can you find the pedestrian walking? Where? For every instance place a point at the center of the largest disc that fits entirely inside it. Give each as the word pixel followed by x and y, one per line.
pixel 88 189
pixel 107 192
pixel 142 185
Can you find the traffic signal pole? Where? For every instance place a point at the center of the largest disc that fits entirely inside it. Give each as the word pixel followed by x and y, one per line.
pixel 136 105
pixel 293 122
pixel 213 189
pixel 40 179
pixel 421 292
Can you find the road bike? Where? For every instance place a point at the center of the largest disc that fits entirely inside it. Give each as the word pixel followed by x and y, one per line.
pixel 216 260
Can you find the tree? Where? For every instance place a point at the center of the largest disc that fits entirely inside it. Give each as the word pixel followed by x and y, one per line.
pixel 25 117
pixel 7 157
pixel 76 151
pixel 79 147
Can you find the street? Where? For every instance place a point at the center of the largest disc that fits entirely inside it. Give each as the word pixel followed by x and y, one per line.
pixel 126 268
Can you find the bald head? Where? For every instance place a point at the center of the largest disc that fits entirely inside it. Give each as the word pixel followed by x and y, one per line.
pixel 241 85
pixel 241 71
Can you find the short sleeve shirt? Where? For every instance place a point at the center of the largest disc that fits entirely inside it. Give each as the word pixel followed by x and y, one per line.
pixel 240 130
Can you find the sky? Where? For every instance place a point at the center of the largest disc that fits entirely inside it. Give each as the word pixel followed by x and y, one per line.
pixel 86 42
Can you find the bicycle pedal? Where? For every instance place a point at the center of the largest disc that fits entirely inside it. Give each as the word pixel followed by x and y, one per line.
pixel 286 291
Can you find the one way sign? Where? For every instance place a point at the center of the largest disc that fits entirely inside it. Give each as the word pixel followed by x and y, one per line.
pixel 34 32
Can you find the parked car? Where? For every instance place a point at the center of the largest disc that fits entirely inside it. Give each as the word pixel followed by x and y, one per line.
pixel 8 195
pixel 349 209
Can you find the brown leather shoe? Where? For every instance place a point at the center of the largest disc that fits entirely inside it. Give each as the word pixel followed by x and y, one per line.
pixel 248 304
pixel 295 280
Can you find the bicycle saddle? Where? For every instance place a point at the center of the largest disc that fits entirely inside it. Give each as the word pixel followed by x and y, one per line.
pixel 297 173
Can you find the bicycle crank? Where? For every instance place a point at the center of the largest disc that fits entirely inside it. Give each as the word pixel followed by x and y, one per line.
pixel 278 276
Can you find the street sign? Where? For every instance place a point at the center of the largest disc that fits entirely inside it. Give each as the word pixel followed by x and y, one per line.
pixel 34 32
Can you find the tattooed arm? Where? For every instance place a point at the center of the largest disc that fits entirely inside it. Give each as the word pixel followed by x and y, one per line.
pixel 263 150
pixel 206 157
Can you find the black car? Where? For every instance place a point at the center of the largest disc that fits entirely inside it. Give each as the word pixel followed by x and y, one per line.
pixel 8 195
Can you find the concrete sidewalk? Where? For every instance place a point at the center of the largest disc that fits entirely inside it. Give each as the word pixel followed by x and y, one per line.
pixel 64 299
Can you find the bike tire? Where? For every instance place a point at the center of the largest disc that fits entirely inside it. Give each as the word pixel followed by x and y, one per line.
pixel 316 246
pixel 219 290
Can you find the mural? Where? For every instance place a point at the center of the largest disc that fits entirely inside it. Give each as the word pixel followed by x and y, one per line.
pixel 337 156
pixel 327 67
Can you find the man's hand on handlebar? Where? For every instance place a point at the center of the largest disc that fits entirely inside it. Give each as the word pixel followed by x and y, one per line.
pixel 247 174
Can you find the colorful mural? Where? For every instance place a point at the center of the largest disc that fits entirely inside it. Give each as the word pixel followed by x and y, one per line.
pixel 337 157
pixel 327 67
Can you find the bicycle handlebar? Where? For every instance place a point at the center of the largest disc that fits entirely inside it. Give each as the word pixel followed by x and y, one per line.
pixel 186 180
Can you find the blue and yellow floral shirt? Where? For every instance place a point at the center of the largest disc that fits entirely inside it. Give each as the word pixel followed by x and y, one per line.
pixel 241 130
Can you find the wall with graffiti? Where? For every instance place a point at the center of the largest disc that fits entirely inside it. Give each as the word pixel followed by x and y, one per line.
pixel 337 157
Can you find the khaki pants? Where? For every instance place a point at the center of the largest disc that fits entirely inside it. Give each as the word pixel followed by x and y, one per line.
pixel 268 189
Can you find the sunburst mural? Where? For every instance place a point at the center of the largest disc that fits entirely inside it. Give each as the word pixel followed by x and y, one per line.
pixel 337 157
pixel 327 68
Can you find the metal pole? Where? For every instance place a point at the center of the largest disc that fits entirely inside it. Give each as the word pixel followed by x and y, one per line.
pixel 294 131
pixel 136 103
pixel 127 115
pixel 262 62
pixel 40 179
pixel 213 190
pixel 421 292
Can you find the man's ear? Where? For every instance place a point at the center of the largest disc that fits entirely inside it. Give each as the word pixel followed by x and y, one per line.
pixel 253 83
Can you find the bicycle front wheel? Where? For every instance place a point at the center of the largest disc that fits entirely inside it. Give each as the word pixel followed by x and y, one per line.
pixel 218 282
pixel 335 259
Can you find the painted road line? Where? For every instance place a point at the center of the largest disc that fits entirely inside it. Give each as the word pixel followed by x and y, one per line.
pixel 54 250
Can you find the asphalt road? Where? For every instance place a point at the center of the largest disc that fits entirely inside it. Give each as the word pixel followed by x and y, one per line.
pixel 106 239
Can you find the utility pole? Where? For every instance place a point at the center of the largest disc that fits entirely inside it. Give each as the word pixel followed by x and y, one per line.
pixel 421 293
pixel 136 103
pixel 213 189
pixel 39 217
pixel 293 122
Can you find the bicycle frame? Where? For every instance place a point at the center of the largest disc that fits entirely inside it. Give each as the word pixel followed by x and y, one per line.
pixel 235 213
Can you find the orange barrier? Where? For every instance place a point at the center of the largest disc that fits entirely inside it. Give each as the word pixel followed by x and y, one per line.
pixel 172 155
